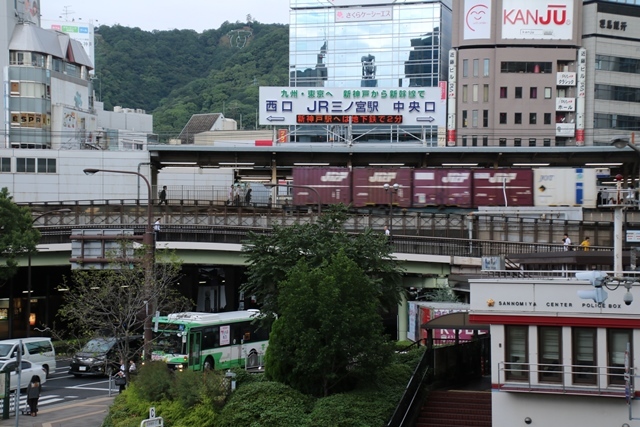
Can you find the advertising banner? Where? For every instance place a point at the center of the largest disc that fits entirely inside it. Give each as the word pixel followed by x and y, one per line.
pixel 539 20
pixel 477 19
pixel 297 105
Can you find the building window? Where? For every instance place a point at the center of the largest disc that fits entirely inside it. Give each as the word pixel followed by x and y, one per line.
pixel 474 118
pixel 475 93
pixel 485 118
pixel 525 67
pixel 465 68
pixel 485 93
pixel 5 164
pixel 46 165
pixel 476 65
pixel 516 353
pixel 619 64
pixel 502 142
pixel 533 118
pixel 485 141
pixel 503 118
pixel 533 92
pixel 532 142
pixel 547 93
pixel 546 142
pixel 517 118
pixel 547 118
pixel 25 164
pixel 584 355
pixel 517 142
pixel 464 118
pixel 617 340
pixel 485 67
pixel 549 354
pixel 465 92
pixel 474 140
pixel 518 92
pixel 503 92
pixel 464 141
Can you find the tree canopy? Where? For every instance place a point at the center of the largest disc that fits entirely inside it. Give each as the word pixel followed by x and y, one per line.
pixel 175 74
pixel 271 256
pixel 329 331
pixel 113 302
pixel 17 235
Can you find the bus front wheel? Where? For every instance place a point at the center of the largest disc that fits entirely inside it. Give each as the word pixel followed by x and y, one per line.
pixel 209 364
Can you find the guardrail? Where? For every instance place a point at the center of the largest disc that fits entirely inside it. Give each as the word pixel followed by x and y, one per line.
pixel 564 379
pixel 408 244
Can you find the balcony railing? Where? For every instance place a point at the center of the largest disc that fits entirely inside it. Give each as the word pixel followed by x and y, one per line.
pixel 552 378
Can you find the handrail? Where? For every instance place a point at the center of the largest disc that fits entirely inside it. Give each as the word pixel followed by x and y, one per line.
pixel 561 378
pixel 411 392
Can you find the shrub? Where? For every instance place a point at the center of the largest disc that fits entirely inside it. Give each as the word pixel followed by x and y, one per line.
pixel 153 383
pixel 357 409
pixel 265 404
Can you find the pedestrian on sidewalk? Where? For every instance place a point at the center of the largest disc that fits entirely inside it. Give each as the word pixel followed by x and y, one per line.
pixel 163 196
pixel 33 394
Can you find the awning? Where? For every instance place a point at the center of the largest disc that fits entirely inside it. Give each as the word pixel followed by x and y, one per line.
pixel 458 320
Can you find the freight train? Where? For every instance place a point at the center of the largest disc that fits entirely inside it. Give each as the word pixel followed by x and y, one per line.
pixel 442 187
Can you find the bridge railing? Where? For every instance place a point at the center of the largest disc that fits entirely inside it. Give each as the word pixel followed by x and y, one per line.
pixel 409 244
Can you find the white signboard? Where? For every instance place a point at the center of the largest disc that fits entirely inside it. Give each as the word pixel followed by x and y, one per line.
pixel 369 106
pixel 566 79
pixel 565 129
pixel 633 236
pixel 361 14
pixel 565 104
pixel 477 19
pixel 225 335
pixel 82 32
pixel 537 20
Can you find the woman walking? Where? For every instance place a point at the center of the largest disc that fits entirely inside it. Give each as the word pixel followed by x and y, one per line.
pixel 33 394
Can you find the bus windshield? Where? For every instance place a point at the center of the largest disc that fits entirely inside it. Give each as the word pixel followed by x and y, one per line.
pixel 167 343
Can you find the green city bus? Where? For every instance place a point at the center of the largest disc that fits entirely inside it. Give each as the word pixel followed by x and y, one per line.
pixel 203 341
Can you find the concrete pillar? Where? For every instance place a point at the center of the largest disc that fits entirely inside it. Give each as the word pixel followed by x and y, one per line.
pixel 403 319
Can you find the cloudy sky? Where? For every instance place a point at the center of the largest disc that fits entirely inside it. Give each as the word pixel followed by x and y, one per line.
pixel 150 15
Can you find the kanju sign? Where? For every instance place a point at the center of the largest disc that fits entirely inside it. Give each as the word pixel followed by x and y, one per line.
pixel 539 20
pixel 425 106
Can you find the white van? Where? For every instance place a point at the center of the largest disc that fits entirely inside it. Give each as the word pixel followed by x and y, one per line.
pixel 37 350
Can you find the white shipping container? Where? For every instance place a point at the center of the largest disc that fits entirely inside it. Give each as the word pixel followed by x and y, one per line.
pixel 565 187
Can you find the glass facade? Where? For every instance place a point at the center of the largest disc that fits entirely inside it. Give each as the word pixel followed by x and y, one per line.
pixel 397 45
pixel 368 43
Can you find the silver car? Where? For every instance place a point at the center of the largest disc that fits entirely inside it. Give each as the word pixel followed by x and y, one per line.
pixel 29 369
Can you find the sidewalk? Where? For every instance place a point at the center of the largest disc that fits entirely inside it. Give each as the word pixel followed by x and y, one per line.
pixel 82 413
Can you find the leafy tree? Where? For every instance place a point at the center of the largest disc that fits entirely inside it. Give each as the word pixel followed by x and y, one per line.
pixel 17 235
pixel 271 256
pixel 329 330
pixel 113 301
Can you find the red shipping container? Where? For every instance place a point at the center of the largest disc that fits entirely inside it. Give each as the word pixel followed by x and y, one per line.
pixel 490 187
pixel 442 187
pixel 368 187
pixel 333 185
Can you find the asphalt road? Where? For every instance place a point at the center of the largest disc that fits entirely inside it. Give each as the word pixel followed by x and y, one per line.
pixel 62 387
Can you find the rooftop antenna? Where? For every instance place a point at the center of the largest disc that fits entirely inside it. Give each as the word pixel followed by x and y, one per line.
pixel 66 12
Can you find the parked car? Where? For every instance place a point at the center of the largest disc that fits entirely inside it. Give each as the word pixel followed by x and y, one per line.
pixel 37 350
pixel 100 356
pixel 29 369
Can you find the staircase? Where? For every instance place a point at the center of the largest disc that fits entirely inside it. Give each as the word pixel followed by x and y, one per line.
pixel 456 409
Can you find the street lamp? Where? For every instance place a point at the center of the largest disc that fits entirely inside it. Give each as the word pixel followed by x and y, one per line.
pixel 148 241
pixel 317 194
pixel 392 190
pixel 28 308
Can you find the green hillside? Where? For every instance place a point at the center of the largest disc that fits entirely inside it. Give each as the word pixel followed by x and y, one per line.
pixel 174 74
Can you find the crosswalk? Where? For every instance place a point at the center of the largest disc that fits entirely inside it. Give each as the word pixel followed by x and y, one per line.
pixel 45 399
